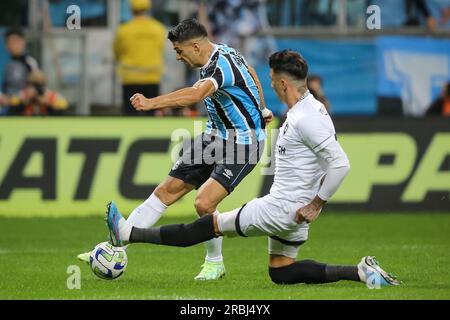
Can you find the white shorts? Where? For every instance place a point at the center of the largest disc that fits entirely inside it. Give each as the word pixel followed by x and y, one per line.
pixel 267 216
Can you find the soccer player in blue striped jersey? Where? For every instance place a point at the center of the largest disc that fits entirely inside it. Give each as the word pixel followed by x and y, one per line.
pixel 231 146
pixel 236 100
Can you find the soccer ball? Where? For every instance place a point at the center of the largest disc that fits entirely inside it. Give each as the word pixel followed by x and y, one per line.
pixel 108 262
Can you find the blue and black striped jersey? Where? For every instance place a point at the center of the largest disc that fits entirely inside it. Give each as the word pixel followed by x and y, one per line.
pixel 236 105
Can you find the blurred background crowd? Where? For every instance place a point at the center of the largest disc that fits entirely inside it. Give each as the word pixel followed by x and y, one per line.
pixel 120 47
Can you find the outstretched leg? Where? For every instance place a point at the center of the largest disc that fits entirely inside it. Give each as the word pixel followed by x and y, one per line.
pixel 178 235
pixel 285 270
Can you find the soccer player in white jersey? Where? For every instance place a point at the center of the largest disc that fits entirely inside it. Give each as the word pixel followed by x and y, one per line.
pixel 310 166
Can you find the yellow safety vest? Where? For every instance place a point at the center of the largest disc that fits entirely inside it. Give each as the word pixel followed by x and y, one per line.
pixel 139 51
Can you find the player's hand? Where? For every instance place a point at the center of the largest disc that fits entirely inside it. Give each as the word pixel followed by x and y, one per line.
pixel 310 212
pixel 267 115
pixel 141 103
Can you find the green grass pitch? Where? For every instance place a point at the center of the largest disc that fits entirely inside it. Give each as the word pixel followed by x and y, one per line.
pixel 35 255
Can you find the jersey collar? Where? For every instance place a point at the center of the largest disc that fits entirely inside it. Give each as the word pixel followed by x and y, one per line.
pixel 214 50
pixel 302 98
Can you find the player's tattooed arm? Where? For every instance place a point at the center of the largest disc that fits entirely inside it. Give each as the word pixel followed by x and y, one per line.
pixel 267 114
pixel 178 99
pixel 310 212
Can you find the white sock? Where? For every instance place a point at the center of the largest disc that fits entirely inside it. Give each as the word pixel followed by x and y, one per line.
pixel 148 213
pixel 125 230
pixel 214 248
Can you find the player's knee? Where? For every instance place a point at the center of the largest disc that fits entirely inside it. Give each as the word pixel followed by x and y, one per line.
pixel 168 192
pixel 203 207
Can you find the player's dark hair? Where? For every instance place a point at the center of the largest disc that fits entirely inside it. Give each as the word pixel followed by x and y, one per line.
pixel 187 30
pixel 290 62
pixel 14 31
pixel 315 77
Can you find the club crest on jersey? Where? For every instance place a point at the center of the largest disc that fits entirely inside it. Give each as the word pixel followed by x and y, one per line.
pixel 323 110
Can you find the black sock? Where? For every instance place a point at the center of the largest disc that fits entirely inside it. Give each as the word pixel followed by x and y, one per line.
pixel 177 235
pixel 310 271
pixel 335 273
pixel 305 271
pixel 150 235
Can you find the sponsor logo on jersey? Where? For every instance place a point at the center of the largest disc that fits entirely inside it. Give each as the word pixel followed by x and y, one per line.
pixel 281 150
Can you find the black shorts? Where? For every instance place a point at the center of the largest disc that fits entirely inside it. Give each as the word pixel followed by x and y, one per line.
pixel 211 157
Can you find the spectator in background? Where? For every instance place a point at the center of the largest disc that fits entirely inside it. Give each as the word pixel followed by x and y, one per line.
pixel 248 18
pixel 35 99
pixel 139 51
pixel 216 15
pixel 415 8
pixel 319 12
pixel 315 84
pixel 441 107
pixel 17 70
pixel 445 16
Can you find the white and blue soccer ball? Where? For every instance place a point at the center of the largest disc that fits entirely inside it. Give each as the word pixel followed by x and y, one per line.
pixel 108 262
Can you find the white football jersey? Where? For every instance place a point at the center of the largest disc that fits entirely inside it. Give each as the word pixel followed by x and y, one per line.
pixel 298 170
